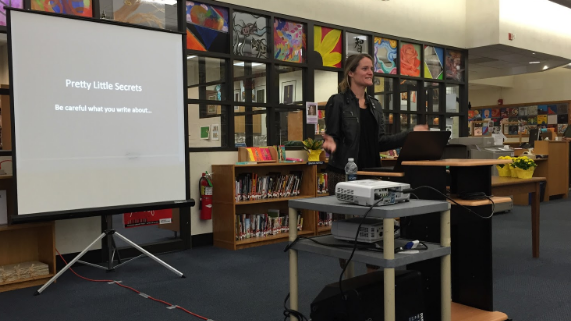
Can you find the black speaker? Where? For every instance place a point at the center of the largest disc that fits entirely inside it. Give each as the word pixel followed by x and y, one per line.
pixel 365 299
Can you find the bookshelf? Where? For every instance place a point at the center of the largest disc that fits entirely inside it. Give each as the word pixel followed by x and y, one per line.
pixel 226 208
pixel 25 243
pixel 320 230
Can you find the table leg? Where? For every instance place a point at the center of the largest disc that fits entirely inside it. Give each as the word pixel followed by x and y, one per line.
pixel 293 281
pixel 535 202
pixel 389 254
pixel 445 266
pixel 350 270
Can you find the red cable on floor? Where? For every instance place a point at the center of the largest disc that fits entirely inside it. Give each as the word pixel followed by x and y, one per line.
pixel 130 288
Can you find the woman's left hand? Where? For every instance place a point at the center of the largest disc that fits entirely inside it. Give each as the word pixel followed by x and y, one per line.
pixel 420 128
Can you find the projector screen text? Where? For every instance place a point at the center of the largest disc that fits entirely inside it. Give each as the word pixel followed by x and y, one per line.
pixel 101 85
pixel 101 109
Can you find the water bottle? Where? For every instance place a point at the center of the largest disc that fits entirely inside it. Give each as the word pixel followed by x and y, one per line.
pixel 351 170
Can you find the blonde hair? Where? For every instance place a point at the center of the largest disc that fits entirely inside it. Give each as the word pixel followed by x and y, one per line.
pixel 350 66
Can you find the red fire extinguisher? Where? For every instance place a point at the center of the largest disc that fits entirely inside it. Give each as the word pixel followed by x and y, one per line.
pixel 205 204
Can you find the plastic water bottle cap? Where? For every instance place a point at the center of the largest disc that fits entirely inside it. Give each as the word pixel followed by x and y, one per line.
pixel 351 159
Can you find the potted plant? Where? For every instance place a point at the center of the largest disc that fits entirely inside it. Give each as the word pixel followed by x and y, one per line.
pixel 504 169
pixel 313 148
pixel 524 167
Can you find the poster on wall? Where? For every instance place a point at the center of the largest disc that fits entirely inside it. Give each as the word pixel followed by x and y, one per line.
pixel 145 218
pixel 410 59
pixel 206 27
pixel 311 113
pixel 454 65
pixel 289 41
pixel 356 44
pixel 250 38
pixel 204 132
pixel 385 55
pixel 216 132
pixel 328 45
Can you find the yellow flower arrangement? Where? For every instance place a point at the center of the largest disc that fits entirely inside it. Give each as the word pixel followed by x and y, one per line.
pixel 524 163
pixel 503 157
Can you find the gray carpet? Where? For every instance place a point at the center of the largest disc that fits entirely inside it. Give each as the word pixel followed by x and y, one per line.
pixel 251 284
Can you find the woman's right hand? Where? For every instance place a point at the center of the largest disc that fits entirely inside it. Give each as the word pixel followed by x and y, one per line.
pixel 329 144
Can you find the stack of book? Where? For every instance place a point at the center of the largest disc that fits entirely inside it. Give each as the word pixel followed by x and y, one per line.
pixel 262 225
pixel 250 186
pixel 22 271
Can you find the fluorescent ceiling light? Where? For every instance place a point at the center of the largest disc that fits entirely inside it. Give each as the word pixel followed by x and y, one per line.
pixel 167 2
pixel 241 63
pixel 534 62
pixel 190 57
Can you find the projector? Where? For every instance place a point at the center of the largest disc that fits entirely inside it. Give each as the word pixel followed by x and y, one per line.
pixel 368 192
pixel 371 230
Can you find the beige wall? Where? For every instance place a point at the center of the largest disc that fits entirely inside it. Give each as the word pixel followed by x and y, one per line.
pixel 551 85
pixel 539 25
pixel 482 22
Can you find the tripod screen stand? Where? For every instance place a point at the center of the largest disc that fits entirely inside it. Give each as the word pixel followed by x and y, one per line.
pixel 110 267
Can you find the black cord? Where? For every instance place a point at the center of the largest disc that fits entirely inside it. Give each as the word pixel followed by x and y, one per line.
pixel 361 246
pixel 355 247
pixel 453 201
pixel 288 313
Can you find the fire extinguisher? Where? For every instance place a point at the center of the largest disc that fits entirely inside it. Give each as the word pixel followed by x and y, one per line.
pixel 205 204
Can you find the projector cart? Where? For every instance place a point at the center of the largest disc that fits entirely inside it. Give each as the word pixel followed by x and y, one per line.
pixel 388 259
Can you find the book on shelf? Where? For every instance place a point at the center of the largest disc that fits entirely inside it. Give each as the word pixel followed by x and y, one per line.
pixel 250 186
pixel 257 154
pixel 322 180
pixel 281 152
pixel 324 219
pixel 250 226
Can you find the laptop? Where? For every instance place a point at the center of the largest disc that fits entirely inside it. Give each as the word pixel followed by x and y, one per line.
pixel 428 145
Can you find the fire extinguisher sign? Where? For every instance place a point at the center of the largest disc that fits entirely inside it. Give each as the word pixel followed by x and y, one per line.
pixel 135 219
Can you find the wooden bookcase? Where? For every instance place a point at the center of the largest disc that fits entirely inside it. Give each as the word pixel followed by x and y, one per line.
pixel 320 230
pixel 226 208
pixel 27 242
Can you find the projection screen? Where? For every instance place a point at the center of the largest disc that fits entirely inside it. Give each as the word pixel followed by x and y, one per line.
pixel 98 114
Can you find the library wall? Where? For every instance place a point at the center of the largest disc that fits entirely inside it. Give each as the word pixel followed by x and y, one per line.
pixel 540 26
pixel 551 85
pixel 74 235
pixel 482 22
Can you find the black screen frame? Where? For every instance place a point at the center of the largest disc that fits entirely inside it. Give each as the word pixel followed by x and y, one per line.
pixel 98 211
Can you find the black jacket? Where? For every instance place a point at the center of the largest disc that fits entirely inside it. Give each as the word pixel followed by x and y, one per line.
pixel 342 124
